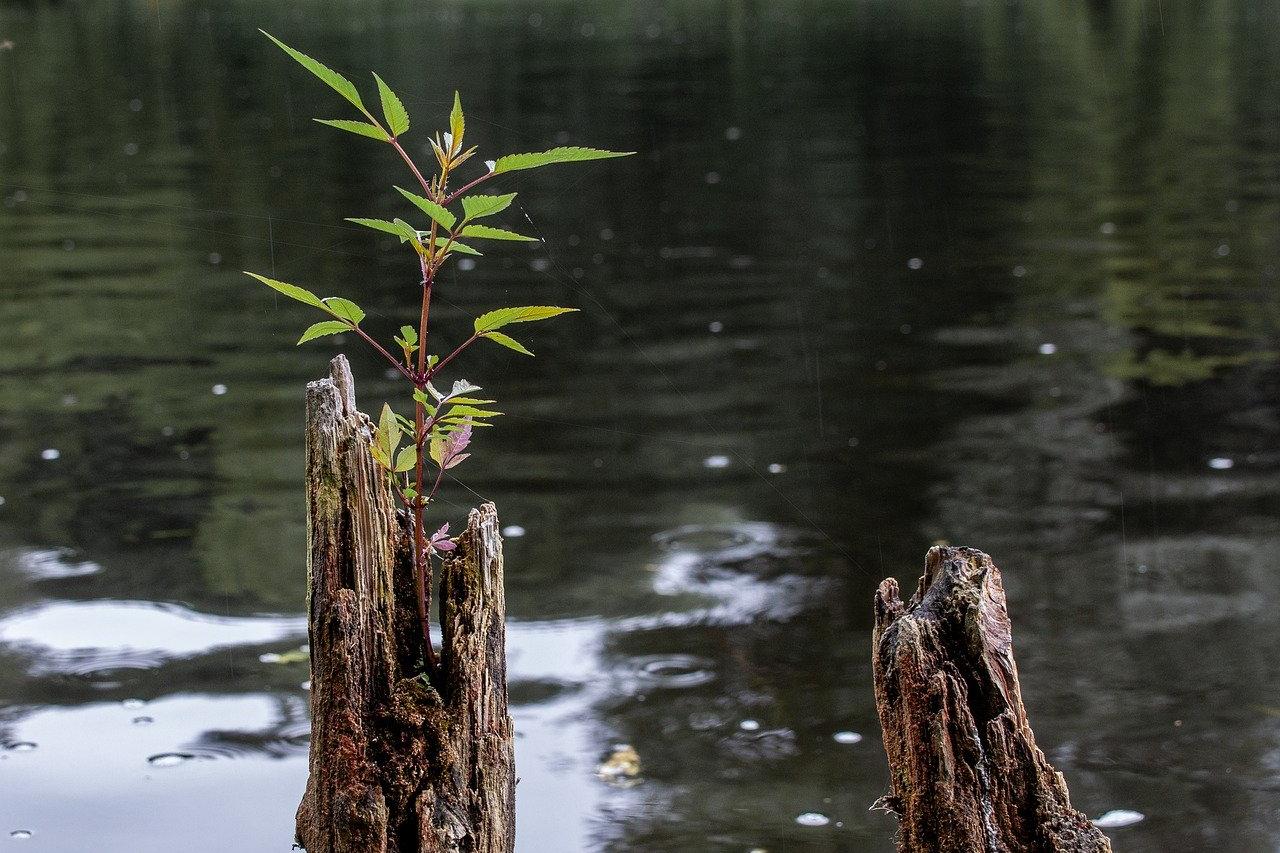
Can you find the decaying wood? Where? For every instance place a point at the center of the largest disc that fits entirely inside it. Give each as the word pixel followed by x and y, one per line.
pixel 966 774
pixel 398 765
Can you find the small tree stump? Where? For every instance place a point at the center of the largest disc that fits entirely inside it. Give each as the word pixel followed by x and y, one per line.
pixel 398 764
pixel 966 775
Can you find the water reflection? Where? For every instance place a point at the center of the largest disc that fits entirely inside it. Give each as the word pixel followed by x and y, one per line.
pixel 883 276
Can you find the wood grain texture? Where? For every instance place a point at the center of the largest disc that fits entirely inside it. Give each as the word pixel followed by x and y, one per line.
pixel 966 775
pixel 397 765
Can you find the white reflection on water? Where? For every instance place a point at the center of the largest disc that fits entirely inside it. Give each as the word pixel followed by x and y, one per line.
pixel 82 636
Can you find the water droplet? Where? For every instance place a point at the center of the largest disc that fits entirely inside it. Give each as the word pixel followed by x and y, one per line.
pixel 142 721
pixel 169 759
pixel 1019 271
pixel 915 263
pixel 539 264
pixel 812 819
pixel 1221 463
pixel 219 389
pixel 513 531
pixel 1048 348
pixel 133 703
pixel 20 834
pixel 136 105
pixel 1108 228
pixel 847 737
pixel 676 670
pixel 777 468
pixel 853 442
pixel 270 657
pixel 715 327
pixel 1223 250
pixel 1 500
pixel 22 746
pixel 749 725
pixel 215 258
pixel 713 177
pixel 1117 818
pixel 733 134
pixel 718 461
pixel 50 453
pixel 466 264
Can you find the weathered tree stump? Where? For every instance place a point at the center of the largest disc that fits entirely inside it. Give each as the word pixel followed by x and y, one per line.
pixel 966 775
pixel 398 764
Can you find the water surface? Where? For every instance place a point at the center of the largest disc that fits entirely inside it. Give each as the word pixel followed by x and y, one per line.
pixel 997 275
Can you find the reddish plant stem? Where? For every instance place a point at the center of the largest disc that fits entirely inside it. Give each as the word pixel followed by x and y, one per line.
pixel 448 358
pixel 395 362
pixel 456 194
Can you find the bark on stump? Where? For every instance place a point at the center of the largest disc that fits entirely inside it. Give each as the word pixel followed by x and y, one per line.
pixel 397 765
pixel 966 775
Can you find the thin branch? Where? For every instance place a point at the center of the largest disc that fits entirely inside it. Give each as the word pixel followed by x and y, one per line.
pixel 448 358
pixel 395 362
pixel 456 194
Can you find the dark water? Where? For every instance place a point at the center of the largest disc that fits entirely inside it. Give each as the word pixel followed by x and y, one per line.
pixel 883 274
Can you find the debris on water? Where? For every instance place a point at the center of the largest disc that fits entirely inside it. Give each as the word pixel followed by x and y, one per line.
pixel 717 461
pixel 219 389
pixel 915 263
pixel 1048 348
pixel 749 725
pixel 169 759
pixel 812 819
pixel 50 453
pixel 621 768
pixel 1221 463
pixel 847 737
pixel 513 531
pixel 777 468
pixel 21 746
pixel 1117 818
pixel 20 834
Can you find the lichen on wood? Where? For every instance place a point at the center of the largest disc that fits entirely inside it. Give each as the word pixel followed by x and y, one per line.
pixel 966 775
pixel 399 763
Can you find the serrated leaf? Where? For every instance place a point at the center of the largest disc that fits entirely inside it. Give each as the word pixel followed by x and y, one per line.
pixel 392 109
pixel 360 128
pixel 515 162
pixel 458 411
pixel 467 421
pixel 455 246
pixel 323 328
pixel 523 314
pixel 401 229
pixel 336 81
pixel 455 461
pixel 457 124
pixel 506 341
pixel 470 401
pixel 388 431
pixel 292 291
pixel 440 215
pixel 406 459
pixel 411 234
pixel 486 233
pixel 344 309
pixel 477 206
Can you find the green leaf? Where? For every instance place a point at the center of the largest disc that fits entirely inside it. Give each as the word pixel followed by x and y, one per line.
pixel 409 334
pixel 471 401
pixel 388 430
pixel 524 314
pixel 290 290
pixel 471 412
pixel 360 128
pixel 410 233
pixel 440 215
pixel 406 459
pixel 400 228
pixel 477 206
pixel 515 162
pixel 508 342
pixel 484 232
pixel 325 327
pixel 336 81
pixel 455 246
pixel 380 456
pixel 457 124
pixel 436 450
pixel 394 111
pixel 344 309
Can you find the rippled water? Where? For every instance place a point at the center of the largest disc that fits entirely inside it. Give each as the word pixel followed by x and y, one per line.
pixel 883 274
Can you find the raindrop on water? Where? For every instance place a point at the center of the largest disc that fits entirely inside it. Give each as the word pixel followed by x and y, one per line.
pixel 715 327
pixel 513 531
pixel 915 263
pixel 133 703
pixel 50 453
pixel 713 177
pixel 777 468
pixel 215 258
pixel 1118 817
pixel 142 721
pixel 847 737
pixel 749 725
pixel 169 759
pixel 22 746
pixel 1048 348
pixel 812 819
pixel 733 134
pixel 219 389
pixel 20 834
pixel 1221 463
pixel 718 461
pixel 466 264
pixel 1108 228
